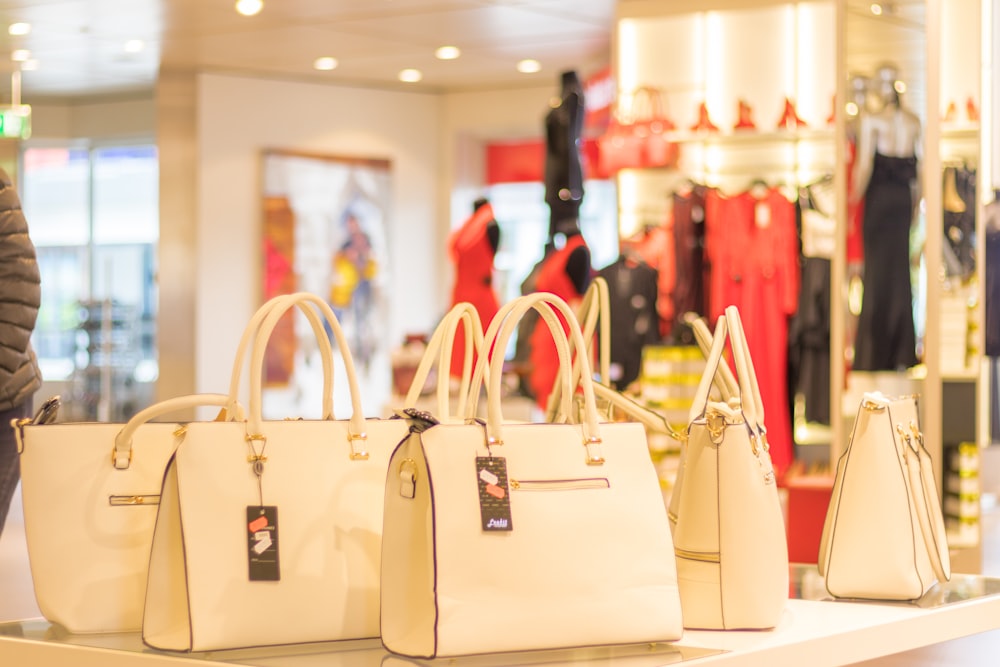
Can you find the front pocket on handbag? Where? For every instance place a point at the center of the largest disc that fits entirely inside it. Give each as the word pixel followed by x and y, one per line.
pixel 560 484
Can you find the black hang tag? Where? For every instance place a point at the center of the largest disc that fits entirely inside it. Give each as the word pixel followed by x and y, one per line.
pixel 262 542
pixel 494 494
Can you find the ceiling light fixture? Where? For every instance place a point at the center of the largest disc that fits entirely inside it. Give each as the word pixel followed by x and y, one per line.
pixel 134 46
pixel 249 7
pixel 410 75
pixel 20 55
pixel 325 63
pixel 900 87
pixel 876 9
pixel 447 53
pixel 529 66
pixel 18 28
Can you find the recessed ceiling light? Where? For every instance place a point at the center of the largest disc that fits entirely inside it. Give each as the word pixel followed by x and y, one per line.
pixel 29 65
pixel 18 28
pixel 876 9
pixel 134 46
pixel 447 53
pixel 20 55
pixel 900 87
pixel 325 63
pixel 529 66
pixel 249 7
pixel 410 75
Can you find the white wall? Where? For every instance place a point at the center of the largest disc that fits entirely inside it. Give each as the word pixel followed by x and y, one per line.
pixel 237 118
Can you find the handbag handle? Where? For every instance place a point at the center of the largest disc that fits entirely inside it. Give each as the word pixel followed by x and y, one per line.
pixel 547 306
pixel 122 454
pixel 750 402
pixel 483 370
pixel 924 493
pixel 440 348
pixel 594 309
pixel 724 380
pixel 252 329
pixel 304 301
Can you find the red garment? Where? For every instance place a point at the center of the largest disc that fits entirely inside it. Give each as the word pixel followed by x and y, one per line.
pixel 552 277
pixel 656 247
pixel 753 245
pixel 855 214
pixel 470 249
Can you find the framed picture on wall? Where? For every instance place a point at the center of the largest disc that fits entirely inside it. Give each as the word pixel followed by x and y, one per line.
pixel 324 222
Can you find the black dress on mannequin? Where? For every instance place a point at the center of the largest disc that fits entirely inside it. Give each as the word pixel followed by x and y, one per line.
pixel 886 339
pixel 563 164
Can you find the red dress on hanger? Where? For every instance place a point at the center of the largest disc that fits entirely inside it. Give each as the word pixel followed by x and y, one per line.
pixel 552 277
pixel 753 243
pixel 472 253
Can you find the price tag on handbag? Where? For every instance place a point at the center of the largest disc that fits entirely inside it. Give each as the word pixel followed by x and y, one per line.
pixel 494 494
pixel 262 530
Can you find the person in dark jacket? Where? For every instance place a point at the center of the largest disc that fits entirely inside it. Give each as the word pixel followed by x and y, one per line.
pixel 20 296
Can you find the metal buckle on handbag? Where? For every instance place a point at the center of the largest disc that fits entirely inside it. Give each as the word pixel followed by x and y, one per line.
pixel 872 406
pixel 715 422
pixel 356 454
pixel 592 458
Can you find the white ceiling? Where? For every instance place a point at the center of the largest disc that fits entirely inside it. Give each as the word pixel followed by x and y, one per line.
pixel 79 44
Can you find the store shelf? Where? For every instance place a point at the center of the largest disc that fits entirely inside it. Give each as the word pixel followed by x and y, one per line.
pixel 814 631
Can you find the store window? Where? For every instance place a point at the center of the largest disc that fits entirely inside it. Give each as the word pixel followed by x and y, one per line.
pixel 93 212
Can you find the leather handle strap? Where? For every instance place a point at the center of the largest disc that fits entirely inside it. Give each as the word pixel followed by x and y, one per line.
pixel 304 301
pixel 725 382
pixel 439 349
pixel 122 455
pixel 251 331
pixel 499 333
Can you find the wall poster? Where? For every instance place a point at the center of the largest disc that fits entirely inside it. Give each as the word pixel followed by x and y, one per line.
pixel 324 223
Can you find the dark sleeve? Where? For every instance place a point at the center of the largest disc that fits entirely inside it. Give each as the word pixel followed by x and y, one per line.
pixel 493 234
pixel 578 269
pixel 20 284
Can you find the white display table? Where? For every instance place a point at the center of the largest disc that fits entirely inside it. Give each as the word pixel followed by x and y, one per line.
pixel 814 631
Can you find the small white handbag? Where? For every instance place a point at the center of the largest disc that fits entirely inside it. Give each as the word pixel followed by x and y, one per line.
pixel 515 537
pixel 268 532
pixel 884 535
pixel 729 538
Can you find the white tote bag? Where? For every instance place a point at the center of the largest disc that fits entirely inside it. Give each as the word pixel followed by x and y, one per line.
pixel 884 536
pixel 732 552
pixel 269 531
pixel 91 490
pixel 516 537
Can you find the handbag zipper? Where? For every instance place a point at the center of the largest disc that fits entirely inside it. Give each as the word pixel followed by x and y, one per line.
pixel 148 499
pixel 560 484
pixel 700 556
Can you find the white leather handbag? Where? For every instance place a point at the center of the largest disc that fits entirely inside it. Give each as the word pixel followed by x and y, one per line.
pixel 516 537
pixel 268 532
pixel 91 490
pixel 884 535
pixel 732 552
pixel 439 350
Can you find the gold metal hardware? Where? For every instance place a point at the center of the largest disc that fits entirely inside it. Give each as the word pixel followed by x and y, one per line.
pixel 872 406
pixel 180 431
pixel 147 499
pixel 592 459
pixel 114 458
pixel 493 442
pixel 579 484
pixel 715 422
pixel 700 556
pixel 755 444
pixel 254 458
pixel 358 454
pixel 252 437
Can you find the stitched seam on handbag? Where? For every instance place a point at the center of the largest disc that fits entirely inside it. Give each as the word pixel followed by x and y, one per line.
pixel 430 491
pixel 836 518
pixel 718 519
